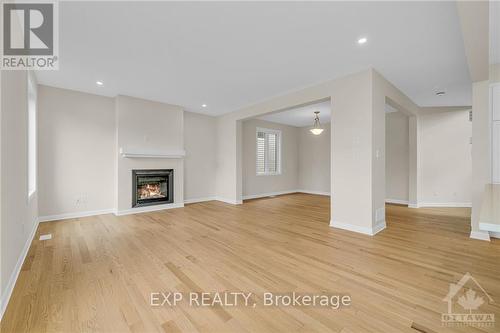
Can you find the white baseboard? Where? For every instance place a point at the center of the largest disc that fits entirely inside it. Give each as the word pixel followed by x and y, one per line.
pixel 74 215
pixel 229 201
pixel 189 201
pixel 489 227
pixel 381 225
pixel 147 209
pixel 494 234
pixel 440 204
pixel 481 235
pixel 397 201
pixel 269 194
pixel 17 269
pixel 314 192
pixel 445 204
pixel 363 230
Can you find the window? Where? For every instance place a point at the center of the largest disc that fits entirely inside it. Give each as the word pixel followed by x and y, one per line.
pixel 268 151
pixel 31 135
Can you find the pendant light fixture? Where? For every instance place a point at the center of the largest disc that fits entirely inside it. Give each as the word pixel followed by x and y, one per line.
pixel 316 129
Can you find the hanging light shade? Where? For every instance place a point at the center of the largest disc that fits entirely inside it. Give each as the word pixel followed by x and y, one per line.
pixel 316 129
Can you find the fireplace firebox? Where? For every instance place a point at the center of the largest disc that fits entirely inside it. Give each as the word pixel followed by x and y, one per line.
pixel 152 187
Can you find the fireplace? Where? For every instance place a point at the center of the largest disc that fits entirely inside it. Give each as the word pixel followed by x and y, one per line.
pixel 152 187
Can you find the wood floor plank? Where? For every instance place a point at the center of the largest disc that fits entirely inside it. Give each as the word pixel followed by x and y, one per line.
pixel 96 274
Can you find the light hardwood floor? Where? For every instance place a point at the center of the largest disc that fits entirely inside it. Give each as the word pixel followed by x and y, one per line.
pixel 97 273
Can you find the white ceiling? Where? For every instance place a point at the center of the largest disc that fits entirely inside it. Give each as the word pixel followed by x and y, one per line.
pixel 301 116
pixel 232 54
pixel 304 115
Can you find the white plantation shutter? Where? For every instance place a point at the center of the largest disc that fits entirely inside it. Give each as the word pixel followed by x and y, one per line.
pixel 268 151
pixel 261 152
pixel 272 150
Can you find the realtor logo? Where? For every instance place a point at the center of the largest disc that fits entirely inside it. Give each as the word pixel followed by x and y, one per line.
pixel 30 35
pixel 470 296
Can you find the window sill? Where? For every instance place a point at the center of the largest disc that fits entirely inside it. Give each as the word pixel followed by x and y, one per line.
pixel 269 174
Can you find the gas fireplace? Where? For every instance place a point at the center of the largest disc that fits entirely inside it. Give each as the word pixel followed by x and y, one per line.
pixel 152 187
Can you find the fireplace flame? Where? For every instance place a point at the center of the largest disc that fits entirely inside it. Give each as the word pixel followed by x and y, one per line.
pixel 150 191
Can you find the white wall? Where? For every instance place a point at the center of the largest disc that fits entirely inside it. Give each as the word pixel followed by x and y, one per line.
pixel 254 185
pixel 314 160
pixel 383 92
pixel 481 148
pixel 78 149
pixel 76 152
pixel 305 161
pixel 396 157
pixel 357 146
pixel 446 164
pixel 19 214
pixel 146 126
pixel 200 162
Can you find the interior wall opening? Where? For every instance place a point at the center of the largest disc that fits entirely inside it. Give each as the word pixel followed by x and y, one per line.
pixel 397 148
pixel 287 151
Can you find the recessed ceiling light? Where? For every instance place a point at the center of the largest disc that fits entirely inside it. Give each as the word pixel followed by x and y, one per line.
pixel 440 93
pixel 99 83
pixel 203 105
pixel 362 40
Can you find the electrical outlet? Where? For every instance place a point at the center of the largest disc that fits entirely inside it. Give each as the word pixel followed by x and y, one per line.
pixel 81 200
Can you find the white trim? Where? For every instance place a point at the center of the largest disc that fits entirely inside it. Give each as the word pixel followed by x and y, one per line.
pixel 74 215
pixel 494 234
pixel 379 227
pixel 17 269
pixel 493 157
pixel 229 201
pixel 277 173
pixel 152 154
pixel 278 134
pixel 32 136
pixel 147 209
pixel 194 200
pixel 363 230
pixel 397 201
pixel 439 204
pixel 314 192
pixel 31 195
pixel 445 204
pixel 489 227
pixel 481 235
pixel 269 194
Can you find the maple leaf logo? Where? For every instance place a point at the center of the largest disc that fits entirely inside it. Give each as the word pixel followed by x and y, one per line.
pixel 469 301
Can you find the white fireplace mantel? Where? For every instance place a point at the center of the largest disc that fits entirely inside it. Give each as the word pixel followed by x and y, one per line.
pixel 126 153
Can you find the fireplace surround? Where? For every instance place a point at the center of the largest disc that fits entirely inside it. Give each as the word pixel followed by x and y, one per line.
pixel 152 187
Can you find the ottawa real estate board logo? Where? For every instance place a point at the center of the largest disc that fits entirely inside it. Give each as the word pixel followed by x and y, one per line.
pixel 465 300
pixel 30 38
